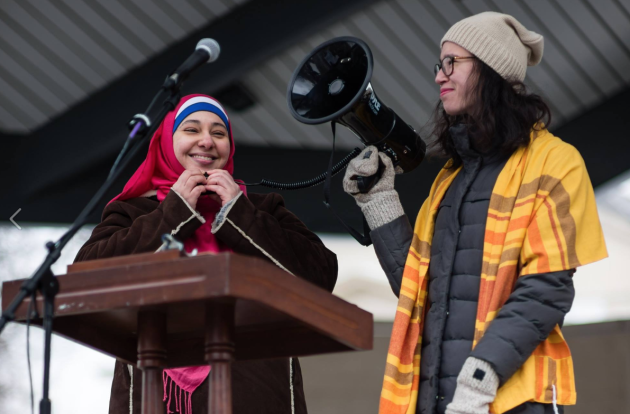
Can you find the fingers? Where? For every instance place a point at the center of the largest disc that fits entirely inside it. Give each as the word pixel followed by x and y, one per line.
pixel 217 189
pixel 187 186
pixel 225 194
pixel 193 195
pixel 188 175
pixel 222 183
pixel 221 178
pixel 192 184
pixel 219 173
pixel 196 192
pixel 350 186
pixel 193 181
pixel 389 165
pixel 366 163
pixel 181 181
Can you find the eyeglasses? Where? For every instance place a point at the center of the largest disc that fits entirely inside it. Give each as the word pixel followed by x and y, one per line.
pixel 446 65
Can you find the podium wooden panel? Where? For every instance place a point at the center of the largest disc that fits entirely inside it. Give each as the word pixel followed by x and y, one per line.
pixel 162 310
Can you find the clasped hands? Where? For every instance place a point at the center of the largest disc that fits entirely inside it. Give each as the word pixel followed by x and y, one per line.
pixel 192 184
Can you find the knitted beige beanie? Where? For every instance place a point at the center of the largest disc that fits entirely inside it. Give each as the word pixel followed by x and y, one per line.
pixel 499 41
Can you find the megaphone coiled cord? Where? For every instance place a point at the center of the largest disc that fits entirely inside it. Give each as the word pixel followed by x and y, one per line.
pixel 309 183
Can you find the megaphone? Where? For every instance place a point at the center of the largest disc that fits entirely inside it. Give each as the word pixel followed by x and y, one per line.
pixel 333 84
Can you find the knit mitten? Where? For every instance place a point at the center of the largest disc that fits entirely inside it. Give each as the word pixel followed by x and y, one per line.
pixel 381 204
pixel 477 386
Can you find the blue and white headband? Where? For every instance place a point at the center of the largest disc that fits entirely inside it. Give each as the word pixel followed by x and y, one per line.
pixel 200 103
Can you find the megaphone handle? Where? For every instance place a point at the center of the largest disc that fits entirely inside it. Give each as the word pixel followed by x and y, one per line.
pixel 365 184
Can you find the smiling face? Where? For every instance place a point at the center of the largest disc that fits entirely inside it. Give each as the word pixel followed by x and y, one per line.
pixel 456 88
pixel 201 142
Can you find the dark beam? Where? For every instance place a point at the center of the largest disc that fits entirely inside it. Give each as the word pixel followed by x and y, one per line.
pixel 602 137
pixel 53 172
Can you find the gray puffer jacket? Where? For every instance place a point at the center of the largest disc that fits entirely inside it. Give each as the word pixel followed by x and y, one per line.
pixel 536 305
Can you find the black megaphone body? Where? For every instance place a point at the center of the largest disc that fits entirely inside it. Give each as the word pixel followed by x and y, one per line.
pixel 333 84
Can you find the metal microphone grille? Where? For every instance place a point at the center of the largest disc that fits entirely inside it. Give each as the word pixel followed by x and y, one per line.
pixel 212 46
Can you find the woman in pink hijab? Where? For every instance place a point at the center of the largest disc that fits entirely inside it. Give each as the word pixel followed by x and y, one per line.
pixel 185 188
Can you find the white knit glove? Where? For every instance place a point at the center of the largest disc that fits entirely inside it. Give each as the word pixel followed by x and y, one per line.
pixel 477 385
pixel 381 204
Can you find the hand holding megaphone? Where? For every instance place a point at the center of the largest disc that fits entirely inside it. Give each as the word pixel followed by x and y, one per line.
pixel 369 179
pixel 364 172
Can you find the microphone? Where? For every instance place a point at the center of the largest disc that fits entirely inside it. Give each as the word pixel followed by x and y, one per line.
pixel 207 51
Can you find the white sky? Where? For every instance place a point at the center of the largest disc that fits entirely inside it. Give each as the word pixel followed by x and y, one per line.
pixel 81 378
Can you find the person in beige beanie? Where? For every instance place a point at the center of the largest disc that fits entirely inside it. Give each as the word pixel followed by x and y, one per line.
pixel 499 41
pixel 493 132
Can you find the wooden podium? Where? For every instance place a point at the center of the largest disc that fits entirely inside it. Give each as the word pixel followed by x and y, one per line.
pixel 164 311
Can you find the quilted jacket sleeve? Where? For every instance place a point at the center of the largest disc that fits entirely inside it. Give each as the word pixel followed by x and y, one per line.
pixel 391 244
pixel 538 303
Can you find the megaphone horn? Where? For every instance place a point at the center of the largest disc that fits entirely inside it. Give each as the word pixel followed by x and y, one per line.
pixel 333 84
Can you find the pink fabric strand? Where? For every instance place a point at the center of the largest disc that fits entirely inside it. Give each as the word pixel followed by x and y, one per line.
pixel 164 381
pixel 177 401
pixel 170 392
pixel 182 405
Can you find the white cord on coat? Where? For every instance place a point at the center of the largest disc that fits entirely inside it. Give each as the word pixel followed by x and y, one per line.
pixel 263 251
pixel 555 406
pixel 277 263
pixel 291 385
pixel 130 368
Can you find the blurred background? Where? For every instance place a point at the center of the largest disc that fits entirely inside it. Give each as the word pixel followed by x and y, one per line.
pixel 73 73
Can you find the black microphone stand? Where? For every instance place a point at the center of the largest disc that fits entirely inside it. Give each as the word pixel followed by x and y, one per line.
pixel 142 126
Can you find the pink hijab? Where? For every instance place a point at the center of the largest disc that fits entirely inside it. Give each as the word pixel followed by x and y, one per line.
pixel 159 171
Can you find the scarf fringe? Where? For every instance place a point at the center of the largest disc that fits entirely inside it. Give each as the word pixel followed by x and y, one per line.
pixel 181 406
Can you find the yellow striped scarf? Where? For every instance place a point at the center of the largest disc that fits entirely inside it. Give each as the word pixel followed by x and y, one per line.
pixel 542 218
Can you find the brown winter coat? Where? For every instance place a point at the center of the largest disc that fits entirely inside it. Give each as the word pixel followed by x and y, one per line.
pixel 136 225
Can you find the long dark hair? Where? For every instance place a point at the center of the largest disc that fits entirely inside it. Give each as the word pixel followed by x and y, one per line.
pixel 502 117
